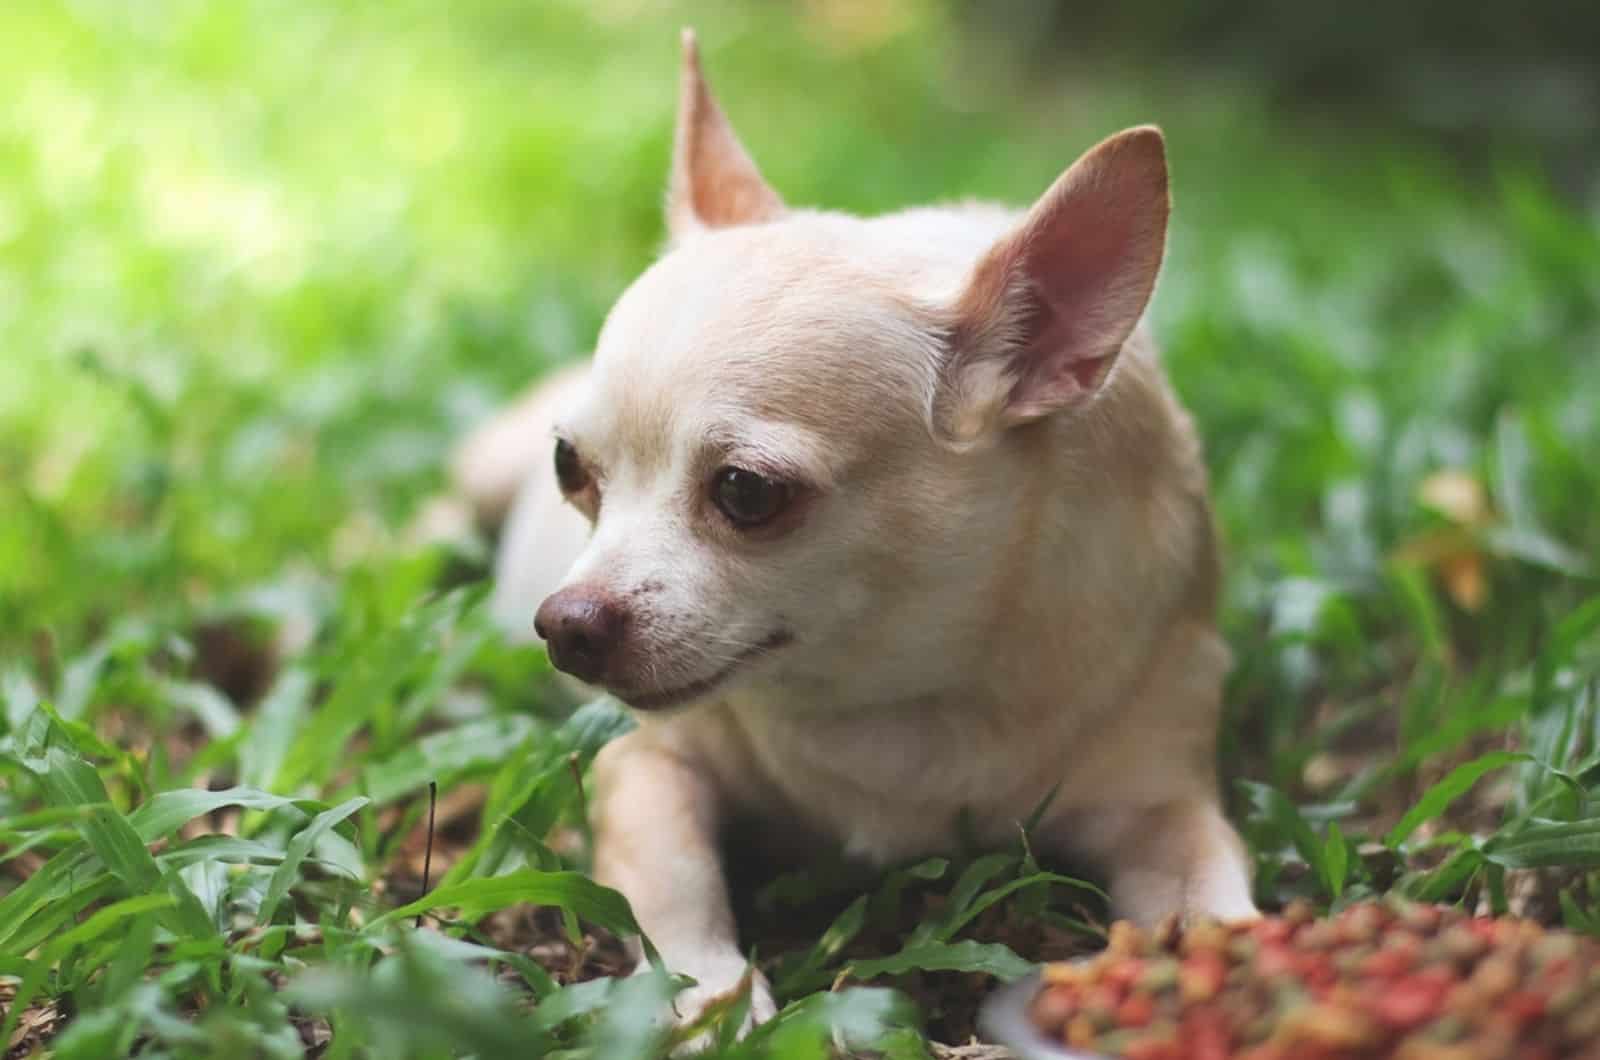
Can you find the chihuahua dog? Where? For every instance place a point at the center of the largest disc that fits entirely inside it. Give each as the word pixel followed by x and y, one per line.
pixel 878 523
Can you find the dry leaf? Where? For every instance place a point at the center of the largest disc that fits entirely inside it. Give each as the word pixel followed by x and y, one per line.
pixel 1465 579
pixel 1457 496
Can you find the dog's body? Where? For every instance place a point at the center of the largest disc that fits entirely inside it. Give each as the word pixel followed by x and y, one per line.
pixel 984 568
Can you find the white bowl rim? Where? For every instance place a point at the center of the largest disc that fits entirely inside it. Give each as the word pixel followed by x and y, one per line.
pixel 1003 1020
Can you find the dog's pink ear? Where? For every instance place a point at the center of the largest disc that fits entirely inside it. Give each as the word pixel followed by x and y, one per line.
pixel 714 183
pixel 1042 318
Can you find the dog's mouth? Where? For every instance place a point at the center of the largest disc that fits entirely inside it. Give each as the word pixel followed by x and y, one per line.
pixel 697 689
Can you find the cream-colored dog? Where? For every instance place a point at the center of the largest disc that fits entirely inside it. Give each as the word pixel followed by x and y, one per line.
pixel 876 523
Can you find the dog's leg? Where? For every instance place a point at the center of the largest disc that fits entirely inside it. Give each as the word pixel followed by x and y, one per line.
pixel 656 841
pixel 1182 857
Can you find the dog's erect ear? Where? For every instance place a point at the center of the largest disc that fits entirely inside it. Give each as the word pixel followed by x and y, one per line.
pixel 1042 318
pixel 714 183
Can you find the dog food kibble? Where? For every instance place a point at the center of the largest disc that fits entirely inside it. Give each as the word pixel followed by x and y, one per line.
pixel 1379 979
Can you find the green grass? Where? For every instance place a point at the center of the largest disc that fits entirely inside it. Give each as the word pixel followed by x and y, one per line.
pixel 260 264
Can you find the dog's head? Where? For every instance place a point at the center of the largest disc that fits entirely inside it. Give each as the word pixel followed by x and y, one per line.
pixel 798 446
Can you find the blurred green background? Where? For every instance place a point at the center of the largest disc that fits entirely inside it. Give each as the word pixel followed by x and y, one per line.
pixel 282 254
pixel 262 264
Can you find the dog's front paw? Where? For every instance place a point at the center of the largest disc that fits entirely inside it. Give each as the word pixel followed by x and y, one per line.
pixel 721 989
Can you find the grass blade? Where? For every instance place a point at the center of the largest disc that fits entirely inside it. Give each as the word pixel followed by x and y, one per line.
pixel 808 971
pixel 573 891
pixel 991 958
pixel 954 924
pixel 297 850
pixel 166 812
pixel 1568 844
pixel 1448 789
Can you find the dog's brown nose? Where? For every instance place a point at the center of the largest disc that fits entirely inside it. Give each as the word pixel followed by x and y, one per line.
pixel 583 629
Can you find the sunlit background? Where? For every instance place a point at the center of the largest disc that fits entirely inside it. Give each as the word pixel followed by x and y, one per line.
pixel 291 249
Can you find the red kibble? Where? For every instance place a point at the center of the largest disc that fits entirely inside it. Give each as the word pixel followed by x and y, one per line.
pixel 1360 923
pixel 1461 943
pixel 1264 1051
pixel 1388 979
pixel 1483 927
pixel 1387 963
pixel 1558 973
pixel 1268 932
pixel 1053 1007
pixel 1201 975
pixel 1440 976
pixel 1420 917
pixel 1205 1032
pixel 1124 973
pixel 1317 970
pixel 1154 1049
pixel 1523 1006
pixel 1276 961
pixel 1506 932
pixel 1136 1010
pixel 1102 997
pixel 1299 912
pixel 1408 1003
pixel 1123 939
pixel 1323 935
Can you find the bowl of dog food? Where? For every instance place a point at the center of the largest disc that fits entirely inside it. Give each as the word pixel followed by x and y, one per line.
pixel 1381 980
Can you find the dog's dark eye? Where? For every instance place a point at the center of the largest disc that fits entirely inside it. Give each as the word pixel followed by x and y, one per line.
pixel 748 499
pixel 569 469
